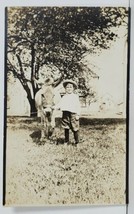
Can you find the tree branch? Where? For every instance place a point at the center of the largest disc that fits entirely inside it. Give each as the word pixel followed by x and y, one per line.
pixel 21 68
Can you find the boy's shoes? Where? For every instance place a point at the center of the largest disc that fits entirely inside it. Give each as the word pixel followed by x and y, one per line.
pixel 75 144
pixel 66 143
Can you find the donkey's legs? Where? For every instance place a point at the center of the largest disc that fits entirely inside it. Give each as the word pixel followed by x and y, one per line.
pixel 53 118
pixel 42 126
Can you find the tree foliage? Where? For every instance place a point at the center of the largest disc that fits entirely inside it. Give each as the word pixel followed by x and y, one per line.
pixel 58 37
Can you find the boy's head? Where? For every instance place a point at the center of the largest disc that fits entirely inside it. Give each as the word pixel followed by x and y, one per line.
pixel 69 86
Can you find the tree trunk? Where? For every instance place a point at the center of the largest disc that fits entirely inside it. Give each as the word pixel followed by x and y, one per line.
pixel 33 109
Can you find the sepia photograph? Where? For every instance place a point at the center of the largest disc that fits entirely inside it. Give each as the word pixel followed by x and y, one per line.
pixel 66 106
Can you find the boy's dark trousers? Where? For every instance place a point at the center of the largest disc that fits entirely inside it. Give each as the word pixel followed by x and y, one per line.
pixel 76 136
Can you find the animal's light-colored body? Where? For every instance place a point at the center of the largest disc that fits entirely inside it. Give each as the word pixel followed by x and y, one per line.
pixel 45 100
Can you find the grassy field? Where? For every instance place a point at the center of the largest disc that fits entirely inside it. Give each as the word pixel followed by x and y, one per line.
pixel 92 173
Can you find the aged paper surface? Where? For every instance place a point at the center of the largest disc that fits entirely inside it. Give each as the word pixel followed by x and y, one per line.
pixel 90 46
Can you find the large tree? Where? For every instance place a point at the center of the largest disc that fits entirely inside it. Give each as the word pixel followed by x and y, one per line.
pixel 57 38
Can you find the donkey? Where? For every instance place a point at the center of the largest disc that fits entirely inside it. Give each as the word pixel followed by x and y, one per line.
pixel 45 101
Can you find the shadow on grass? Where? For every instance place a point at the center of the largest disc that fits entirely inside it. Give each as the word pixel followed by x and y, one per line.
pixel 101 121
pixel 36 136
pixel 83 120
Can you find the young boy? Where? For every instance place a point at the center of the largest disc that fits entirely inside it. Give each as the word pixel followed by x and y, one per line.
pixel 70 107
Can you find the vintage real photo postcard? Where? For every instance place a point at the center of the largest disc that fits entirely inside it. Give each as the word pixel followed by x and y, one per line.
pixel 66 107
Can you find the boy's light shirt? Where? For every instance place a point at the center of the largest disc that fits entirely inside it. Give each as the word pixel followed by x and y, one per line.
pixel 70 102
